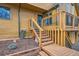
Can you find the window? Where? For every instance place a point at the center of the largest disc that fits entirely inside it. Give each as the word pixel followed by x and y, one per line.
pixel 69 20
pixel 48 21
pixel 76 21
pixel 39 19
pixel 4 13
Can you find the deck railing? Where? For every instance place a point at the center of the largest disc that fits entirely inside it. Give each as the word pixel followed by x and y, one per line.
pixel 60 25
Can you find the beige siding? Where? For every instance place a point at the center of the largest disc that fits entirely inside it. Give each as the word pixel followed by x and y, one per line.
pixel 25 18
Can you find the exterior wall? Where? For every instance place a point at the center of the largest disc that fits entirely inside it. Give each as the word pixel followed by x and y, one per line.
pixel 63 7
pixel 68 8
pixel 26 15
pixel 9 28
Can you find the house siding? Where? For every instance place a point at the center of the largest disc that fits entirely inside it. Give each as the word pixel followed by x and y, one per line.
pixel 9 28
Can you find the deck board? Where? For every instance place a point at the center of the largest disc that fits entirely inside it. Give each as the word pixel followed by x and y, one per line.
pixel 55 50
pixel 42 53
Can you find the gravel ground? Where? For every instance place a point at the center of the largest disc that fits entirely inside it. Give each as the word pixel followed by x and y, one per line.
pixel 24 44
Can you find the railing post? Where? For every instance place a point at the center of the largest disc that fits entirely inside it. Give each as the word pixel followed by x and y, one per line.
pixel 31 23
pixel 58 36
pixel 63 21
pixel 78 27
pixel 40 38
pixel 61 29
pixel 73 22
pixel 55 36
pixel 76 41
pixel 64 39
pixel 42 24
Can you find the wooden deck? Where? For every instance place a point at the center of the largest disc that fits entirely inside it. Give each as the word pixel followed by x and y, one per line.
pixel 55 50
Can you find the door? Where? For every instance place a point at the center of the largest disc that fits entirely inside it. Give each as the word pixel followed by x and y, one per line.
pixel 39 19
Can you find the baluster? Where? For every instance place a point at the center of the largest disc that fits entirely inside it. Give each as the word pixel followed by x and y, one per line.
pixel 76 38
pixel 40 38
pixel 58 36
pixel 64 39
pixel 61 37
pixel 55 36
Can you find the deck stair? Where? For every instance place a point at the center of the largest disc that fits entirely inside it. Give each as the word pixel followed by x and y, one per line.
pixel 46 40
pixel 47 45
pixel 42 53
pixel 51 49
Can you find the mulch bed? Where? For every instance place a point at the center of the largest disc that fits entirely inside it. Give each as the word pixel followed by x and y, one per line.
pixel 22 45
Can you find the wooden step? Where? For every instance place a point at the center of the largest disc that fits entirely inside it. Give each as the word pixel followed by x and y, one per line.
pixel 45 40
pixel 55 50
pixel 44 34
pixel 41 33
pixel 42 53
pixel 44 37
pixel 47 43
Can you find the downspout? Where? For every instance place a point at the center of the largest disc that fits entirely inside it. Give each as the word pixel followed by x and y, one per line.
pixel 19 20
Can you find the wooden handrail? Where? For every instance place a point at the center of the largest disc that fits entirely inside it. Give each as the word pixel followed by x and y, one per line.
pixel 51 16
pixel 37 24
pixel 56 14
pixel 39 39
pixel 47 17
pixel 40 30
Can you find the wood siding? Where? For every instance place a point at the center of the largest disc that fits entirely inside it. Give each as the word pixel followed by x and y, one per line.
pixel 9 28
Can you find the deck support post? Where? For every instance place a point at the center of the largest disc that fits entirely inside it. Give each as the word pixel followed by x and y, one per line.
pixel 58 36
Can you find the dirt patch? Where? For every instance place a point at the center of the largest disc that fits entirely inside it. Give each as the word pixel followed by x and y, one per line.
pixel 24 44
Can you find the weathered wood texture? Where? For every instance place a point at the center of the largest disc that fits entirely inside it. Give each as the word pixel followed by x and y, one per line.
pixel 55 50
